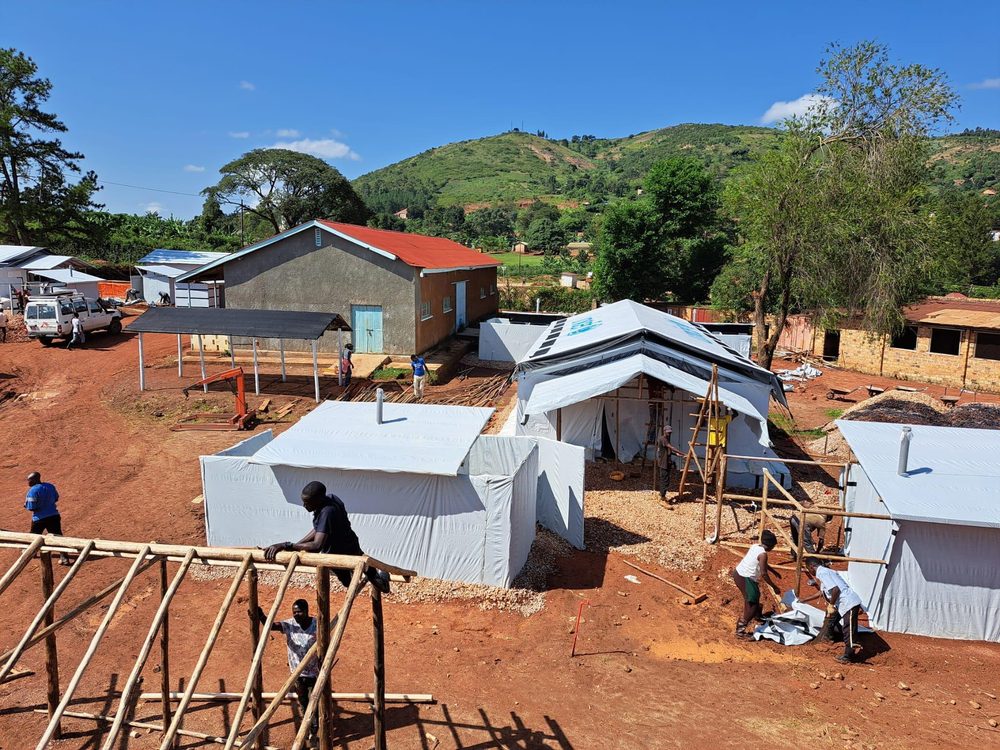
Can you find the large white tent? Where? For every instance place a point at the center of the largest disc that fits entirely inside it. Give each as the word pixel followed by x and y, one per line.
pixel 943 542
pixel 582 383
pixel 424 489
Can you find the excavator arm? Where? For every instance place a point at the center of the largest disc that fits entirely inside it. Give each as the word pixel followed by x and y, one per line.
pixel 235 377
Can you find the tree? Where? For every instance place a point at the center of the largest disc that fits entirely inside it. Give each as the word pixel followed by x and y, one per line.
pixel 285 188
pixel 544 234
pixel 832 219
pixel 495 221
pixel 961 251
pixel 629 253
pixel 535 210
pixel 38 205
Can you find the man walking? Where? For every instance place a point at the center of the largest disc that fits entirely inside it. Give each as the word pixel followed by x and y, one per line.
pixel 843 600
pixel 419 375
pixel 664 462
pixel 331 535
pixel 346 365
pixel 300 635
pixel 77 329
pixel 41 501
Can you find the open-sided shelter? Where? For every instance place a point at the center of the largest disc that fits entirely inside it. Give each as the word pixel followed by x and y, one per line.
pixel 942 546
pixel 422 486
pixel 607 379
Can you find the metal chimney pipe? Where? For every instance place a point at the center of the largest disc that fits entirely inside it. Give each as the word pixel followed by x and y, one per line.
pixel 538 304
pixel 379 395
pixel 904 450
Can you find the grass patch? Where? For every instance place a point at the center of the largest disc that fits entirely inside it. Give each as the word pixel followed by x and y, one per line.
pixel 787 425
pixel 513 260
pixel 834 413
pixel 390 373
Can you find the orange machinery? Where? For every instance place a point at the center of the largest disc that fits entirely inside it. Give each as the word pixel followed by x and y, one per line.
pixel 243 419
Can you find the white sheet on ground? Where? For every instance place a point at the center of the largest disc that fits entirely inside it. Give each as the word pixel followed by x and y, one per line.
pixel 793 628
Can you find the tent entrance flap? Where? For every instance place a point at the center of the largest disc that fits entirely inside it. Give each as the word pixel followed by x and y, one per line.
pixel 573 388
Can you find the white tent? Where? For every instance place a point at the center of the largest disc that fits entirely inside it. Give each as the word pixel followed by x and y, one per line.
pixel 424 489
pixel 943 542
pixel 582 383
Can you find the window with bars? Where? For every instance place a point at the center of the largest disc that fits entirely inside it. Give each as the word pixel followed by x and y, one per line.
pixel 425 310
pixel 446 304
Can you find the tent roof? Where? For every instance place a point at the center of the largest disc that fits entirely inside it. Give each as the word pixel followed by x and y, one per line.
pixel 222 321
pixel 64 275
pixel 413 438
pixel 953 477
pixel 180 257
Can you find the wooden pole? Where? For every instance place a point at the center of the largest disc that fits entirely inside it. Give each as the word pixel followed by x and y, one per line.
pixel 147 646
pixel 800 548
pixel 258 654
pixel 53 727
pixel 85 604
pixel 258 686
pixel 720 491
pixel 322 643
pixel 46 612
pixel 323 678
pixel 199 667
pixel 15 570
pixel 763 508
pixel 164 646
pixel 289 697
pixel 51 653
pixel 378 634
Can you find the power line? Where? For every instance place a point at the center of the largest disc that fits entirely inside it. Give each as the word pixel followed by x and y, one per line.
pixel 155 190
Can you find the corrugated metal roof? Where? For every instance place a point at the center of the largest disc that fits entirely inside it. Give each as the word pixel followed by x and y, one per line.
pixel 12 253
pixel 65 275
pixel 46 261
pixel 953 474
pixel 181 257
pixel 223 321
pixel 168 271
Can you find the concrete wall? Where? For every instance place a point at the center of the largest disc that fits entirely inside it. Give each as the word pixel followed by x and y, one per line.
pixel 434 287
pixel 507 342
pixel 294 274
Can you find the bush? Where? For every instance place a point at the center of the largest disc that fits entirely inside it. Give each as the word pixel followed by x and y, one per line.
pixel 553 299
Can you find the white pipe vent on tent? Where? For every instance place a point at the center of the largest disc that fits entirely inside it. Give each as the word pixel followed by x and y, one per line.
pixel 379 396
pixel 904 451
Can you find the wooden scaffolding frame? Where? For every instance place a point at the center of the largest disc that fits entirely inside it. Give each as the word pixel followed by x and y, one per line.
pixel 248 563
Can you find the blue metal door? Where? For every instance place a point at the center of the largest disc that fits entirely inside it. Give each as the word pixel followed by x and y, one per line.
pixel 366 320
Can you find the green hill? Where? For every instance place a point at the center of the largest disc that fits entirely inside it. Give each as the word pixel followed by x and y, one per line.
pixel 520 166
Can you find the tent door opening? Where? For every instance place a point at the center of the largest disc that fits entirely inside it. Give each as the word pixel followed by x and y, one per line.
pixel 607 441
pixel 366 320
pixel 831 346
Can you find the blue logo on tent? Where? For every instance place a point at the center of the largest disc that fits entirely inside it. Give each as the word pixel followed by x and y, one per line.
pixel 582 326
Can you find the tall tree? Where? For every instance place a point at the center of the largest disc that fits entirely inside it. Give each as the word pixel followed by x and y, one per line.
pixel 833 217
pixel 286 188
pixel 629 253
pixel 38 205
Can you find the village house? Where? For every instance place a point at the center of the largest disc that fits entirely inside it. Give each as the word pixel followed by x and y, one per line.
pixel 952 341
pixel 400 292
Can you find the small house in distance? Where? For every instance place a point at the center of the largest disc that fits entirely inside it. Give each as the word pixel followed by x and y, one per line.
pixel 158 273
pixel 401 292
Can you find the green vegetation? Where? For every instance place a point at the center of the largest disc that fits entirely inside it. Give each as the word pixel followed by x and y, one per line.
pixel 390 373
pixel 834 413
pixel 513 260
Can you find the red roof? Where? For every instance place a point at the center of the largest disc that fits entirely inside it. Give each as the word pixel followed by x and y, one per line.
pixel 416 249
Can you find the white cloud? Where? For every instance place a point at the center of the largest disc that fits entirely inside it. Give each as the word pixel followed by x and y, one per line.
pixel 239 134
pixel 193 168
pixel 986 83
pixel 325 148
pixel 247 86
pixel 153 207
pixel 287 133
pixel 781 111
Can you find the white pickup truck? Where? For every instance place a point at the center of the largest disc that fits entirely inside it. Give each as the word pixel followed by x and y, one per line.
pixel 49 316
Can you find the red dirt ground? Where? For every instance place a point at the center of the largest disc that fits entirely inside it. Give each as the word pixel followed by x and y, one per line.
pixel 651 672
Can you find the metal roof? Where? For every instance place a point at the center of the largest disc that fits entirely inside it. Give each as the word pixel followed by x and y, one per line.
pixel 169 271
pixel 225 321
pixel 10 254
pixel 953 474
pixel 45 262
pixel 181 257
pixel 64 275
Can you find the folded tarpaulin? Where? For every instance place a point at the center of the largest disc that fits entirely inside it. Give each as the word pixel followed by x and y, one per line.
pixel 564 390
pixel 415 438
pixel 799 625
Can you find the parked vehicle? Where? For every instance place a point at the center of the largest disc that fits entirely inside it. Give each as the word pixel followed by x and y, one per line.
pixel 49 316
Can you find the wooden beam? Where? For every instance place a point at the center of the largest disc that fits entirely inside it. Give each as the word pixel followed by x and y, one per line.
pixel 378 636
pixel 46 612
pixel 220 617
pixel 764 459
pixel 84 605
pixel 51 652
pixel 34 542
pixel 258 655
pixel 323 678
pixel 290 697
pixel 164 647
pixel 144 650
pixel 52 728
pixel 258 686
pixel 322 643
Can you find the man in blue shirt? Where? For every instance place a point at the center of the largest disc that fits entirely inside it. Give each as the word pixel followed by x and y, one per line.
pixel 419 375
pixel 41 501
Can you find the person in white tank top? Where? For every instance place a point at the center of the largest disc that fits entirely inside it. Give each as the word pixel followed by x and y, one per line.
pixel 747 576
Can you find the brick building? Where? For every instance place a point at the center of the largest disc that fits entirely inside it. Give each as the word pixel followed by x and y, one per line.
pixel 952 341
pixel 401 292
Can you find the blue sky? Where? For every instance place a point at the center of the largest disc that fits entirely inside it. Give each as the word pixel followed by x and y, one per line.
pixel 160 95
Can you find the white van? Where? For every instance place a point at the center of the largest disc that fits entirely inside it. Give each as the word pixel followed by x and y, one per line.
pixel 49 316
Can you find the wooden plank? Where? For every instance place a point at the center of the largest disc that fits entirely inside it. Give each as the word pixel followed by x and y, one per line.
pixel 378 637
pixel 291 697
pixel 52 728
pixel 34 543
pixel 147 646
pixel 46 612
pixel 696 598
pixel 220 618
pixel 258 654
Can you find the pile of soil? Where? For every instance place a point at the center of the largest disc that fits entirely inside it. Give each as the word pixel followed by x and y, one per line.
pixel 898 410
pixel 980 416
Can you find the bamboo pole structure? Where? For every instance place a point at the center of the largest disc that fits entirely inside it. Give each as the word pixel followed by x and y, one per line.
pixel 168 738
pixel 291 697
pixel 69 616
pixel 52 728
pixel 322 643
pixel 800 548
pixel 323 678
pixel 165 644
pixel 258 684
pixel 144 650
pixel 15 570
pixel 258 655
pixel 51 652
pixel 378 637
pixel 46 612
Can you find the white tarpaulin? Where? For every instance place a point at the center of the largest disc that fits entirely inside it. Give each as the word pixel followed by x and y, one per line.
pixel 419 438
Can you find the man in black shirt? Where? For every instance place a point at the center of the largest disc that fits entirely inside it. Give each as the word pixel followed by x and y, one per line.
pixel 331 534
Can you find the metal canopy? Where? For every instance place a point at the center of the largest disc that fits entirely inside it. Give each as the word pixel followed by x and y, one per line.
pixel 224 321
